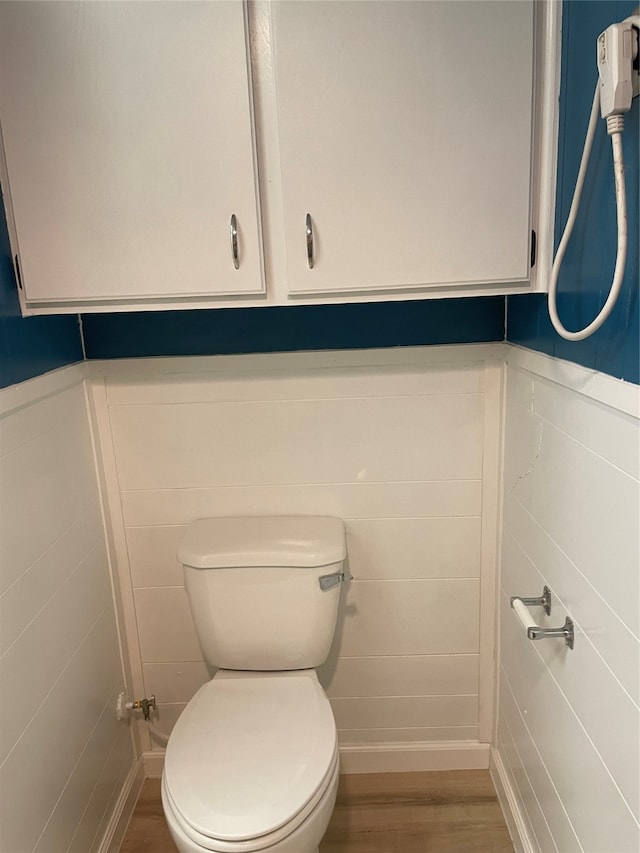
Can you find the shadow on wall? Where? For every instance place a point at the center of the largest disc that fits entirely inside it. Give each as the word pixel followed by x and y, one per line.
pixel 230 331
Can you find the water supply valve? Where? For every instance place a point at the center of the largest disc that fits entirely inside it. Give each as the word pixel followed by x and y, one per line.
pixel 146 705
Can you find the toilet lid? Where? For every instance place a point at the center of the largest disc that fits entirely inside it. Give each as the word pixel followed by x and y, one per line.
pixel 247 754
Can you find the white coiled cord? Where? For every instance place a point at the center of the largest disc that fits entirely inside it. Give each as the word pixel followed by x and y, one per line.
pixel 615 126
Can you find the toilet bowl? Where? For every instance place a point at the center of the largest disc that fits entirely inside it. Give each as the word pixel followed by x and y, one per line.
pixel 252 763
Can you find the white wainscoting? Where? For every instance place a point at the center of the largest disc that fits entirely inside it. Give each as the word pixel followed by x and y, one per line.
pixel 568 751
pixel 63 756
pixel 401 444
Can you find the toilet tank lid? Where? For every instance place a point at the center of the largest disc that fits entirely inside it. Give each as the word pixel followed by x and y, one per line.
pixel 277 540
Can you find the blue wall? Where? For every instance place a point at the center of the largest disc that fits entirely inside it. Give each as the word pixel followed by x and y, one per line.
pixel 305 327
pixel 30 346
pixel 588 266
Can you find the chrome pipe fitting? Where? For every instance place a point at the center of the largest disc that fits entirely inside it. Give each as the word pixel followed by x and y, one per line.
pixel 145 705
pixel 567 631
pixel 543 600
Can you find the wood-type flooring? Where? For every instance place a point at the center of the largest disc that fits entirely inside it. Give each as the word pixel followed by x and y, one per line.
pixel 436 812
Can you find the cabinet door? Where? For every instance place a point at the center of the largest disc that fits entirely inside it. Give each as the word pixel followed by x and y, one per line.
pixel 405 132
pixel 127 133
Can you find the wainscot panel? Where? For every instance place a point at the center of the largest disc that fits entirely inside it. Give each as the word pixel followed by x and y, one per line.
pixel 393 443
pixel 571 509
pixel 64 755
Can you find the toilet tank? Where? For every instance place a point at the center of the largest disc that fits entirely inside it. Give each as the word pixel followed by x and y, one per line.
pixel 254 589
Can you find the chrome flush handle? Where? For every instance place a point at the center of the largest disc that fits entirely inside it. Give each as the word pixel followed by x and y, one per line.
pixel 234 240
pixel 310 260
pixel 329 581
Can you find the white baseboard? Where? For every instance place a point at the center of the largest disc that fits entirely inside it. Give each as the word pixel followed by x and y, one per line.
pixel 510 805
pixel 126 803
pixel 405 757
pixel 153 763
pixel 387 757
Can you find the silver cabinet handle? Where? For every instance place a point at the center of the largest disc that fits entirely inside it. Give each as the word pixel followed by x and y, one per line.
pixel 309 241
pixel 234 240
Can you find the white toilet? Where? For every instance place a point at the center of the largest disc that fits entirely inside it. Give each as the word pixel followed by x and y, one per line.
pixel 252 763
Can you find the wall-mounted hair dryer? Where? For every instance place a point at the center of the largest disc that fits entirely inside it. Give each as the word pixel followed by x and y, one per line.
pixel 618 83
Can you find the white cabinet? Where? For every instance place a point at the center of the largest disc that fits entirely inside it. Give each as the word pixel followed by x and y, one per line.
pixel 416 138
pixel 405 131
pixel 127 130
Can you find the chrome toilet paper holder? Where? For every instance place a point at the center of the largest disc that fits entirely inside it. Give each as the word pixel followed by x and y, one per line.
pixel 534 631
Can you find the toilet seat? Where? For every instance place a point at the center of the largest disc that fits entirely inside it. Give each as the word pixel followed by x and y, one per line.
pixel 285 840
pixel 250 759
